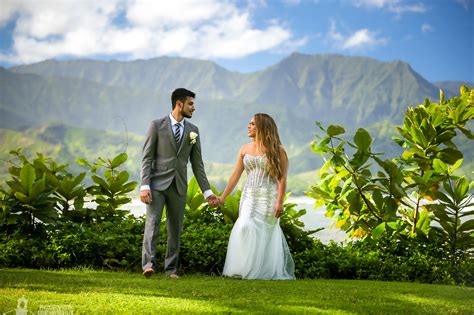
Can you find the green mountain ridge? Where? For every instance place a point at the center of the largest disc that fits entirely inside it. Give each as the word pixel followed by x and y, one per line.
pixel 311 85
pixel 124 96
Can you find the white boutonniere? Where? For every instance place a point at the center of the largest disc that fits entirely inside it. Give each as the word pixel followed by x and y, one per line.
pixel 192 137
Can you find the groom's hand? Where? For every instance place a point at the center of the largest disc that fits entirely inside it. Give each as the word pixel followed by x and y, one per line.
pixel 145 196
pixel 212 201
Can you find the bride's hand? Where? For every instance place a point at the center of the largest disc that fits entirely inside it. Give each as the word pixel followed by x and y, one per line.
pixel 278 211
pixel 220 201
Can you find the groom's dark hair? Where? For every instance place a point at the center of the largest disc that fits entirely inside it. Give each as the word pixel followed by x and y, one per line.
pixel 180 94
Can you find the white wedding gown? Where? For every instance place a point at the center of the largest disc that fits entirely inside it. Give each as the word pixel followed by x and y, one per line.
pixel 257 248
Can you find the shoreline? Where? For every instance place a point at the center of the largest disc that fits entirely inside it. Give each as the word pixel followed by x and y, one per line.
pixel 313 219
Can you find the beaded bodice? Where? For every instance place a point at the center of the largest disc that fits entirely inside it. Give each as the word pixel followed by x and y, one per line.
pixel 256 169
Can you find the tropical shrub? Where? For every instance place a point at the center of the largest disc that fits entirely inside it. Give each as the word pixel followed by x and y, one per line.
pixel 370 197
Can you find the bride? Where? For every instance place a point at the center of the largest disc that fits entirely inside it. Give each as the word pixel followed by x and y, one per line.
pixel 257 248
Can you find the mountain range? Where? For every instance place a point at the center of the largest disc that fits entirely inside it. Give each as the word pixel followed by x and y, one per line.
pixel 122 97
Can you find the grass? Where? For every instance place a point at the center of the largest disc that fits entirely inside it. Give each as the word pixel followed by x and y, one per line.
pixel 103 292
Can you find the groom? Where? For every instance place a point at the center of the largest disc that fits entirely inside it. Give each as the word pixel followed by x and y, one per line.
pixel 170 142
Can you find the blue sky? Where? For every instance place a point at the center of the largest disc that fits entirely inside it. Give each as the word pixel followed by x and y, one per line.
pixel 434 37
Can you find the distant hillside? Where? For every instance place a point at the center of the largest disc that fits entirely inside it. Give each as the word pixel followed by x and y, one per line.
pixel 67 144
pixel 451 88
pixel 301 89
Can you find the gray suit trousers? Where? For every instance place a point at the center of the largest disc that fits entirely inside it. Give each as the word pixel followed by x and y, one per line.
pixel 175 204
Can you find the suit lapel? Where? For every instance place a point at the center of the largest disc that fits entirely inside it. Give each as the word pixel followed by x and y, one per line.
pixel 171 134
pixel 185 136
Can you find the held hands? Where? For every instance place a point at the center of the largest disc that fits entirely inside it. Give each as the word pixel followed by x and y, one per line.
pixel 214 201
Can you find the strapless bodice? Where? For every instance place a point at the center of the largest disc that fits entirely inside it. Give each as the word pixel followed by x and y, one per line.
pixel 256 169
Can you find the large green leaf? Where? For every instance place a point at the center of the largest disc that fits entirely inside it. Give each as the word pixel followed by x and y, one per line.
pixel 119 160
pixel 362 139
pixel 321 146
pixel 193 189
pixel 456 165
pixel 467 226
pixel 123 177
pixel 378 199
pixel 15 185
pixel 196 202
pixel 27 177
pixel 22 197
pixel 440 166
pixel 359 158
pixel 334 130
pixel 128 187
pixel 443 197
pixel 449 155
pixel 379 230
pixel 38 187
pixel 460 189
pixel 231 208
pixel 100 181
pixel 423 223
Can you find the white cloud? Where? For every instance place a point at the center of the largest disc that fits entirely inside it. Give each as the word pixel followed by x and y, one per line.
pixel 362 39
pixel 426 28
pixel 138 29
pixel 396 6
pixel 8 10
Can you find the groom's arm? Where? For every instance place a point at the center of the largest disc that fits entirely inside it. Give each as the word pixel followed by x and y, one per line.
pixel 198 167
pixel 148 153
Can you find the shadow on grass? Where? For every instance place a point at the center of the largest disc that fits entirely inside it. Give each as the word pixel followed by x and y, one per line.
pixel 200 293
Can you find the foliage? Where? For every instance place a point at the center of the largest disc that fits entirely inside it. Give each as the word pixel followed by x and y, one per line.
pixel 204 244
pixel 453 206
pixel 387 259
pixel 47 202
pixel 29 202
pixel 369 196
pixel 110 193
pixel 43 195
pixel 113 240
pixel 113 245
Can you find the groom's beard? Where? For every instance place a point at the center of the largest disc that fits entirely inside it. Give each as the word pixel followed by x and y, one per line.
pixel 186 115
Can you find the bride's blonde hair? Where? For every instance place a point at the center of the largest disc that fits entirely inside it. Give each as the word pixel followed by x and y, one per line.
pixel 266 137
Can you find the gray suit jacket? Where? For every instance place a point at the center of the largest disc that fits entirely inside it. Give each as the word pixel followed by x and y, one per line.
pixel 163 160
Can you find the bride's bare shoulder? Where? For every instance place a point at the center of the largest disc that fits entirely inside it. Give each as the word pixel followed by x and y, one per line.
pixel 246 148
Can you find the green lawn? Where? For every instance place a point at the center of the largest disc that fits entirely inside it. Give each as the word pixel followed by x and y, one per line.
pixel 100 292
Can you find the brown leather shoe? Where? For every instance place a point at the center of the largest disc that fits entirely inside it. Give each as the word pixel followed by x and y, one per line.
pixel 148 272
pixel 174 276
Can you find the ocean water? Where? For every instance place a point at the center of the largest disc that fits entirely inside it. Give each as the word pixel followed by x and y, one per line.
pixel 313 219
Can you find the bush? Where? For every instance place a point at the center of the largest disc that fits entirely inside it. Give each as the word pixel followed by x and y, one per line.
pixel 388 260
pixel 204 247
pixel 103 244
